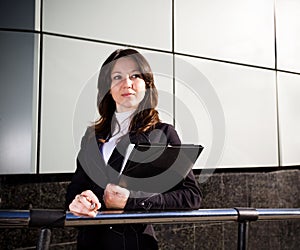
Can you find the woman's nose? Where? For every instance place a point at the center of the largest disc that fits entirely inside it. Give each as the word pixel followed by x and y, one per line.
pixel 127 82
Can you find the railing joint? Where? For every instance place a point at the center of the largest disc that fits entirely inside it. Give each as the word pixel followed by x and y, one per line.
pixel 47 218
pixel 246 214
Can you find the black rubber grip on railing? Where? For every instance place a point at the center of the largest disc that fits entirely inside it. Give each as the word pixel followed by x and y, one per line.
pixel 246 214
pixel 47 218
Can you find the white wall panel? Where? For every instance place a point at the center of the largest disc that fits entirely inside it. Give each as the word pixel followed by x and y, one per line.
pixel 248 100
pixel 162 67
pixel 70 71
pixel 69 92
pixel 235 30
pixel 288 34
pixel 135 22
pixel 37 15
pixel 289 118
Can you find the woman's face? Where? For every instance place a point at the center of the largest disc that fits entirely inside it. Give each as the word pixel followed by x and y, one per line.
pixel 127 86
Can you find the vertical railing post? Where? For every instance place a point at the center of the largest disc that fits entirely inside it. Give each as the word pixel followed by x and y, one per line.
pixel 243 235
pixel 46 219
pixel 245 215
pixel 44 239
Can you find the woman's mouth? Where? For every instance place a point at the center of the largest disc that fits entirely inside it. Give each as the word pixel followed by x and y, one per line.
pixel 127 94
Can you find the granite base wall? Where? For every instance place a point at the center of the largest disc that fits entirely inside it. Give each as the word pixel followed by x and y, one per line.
pixel 270 189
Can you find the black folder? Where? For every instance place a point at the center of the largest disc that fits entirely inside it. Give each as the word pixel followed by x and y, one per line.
pixel 148 163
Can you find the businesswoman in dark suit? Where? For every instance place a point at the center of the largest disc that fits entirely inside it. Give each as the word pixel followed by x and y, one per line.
pixel 127 98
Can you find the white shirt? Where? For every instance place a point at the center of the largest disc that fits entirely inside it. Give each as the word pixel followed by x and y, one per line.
pixel 124 120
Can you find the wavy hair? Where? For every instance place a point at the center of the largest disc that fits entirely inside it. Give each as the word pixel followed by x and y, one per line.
pixel 145 117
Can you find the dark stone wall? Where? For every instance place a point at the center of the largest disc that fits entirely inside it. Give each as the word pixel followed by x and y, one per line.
pixel 268 189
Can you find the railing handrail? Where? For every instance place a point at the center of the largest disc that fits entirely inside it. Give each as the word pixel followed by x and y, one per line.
pixel 46 219
pixel 22 218
pixel 153 217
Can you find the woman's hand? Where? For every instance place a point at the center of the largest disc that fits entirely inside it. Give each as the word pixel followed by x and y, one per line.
pixel 115 197
pixel 85 204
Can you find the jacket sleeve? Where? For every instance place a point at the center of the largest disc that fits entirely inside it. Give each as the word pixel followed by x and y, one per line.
pixel 81 181
pixel 185 195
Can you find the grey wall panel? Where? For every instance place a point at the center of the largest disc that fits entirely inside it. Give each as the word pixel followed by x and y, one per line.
pixel 17 14
pixel 134 22
pixel 69 90
pixel 233 30
pixel 288 34
pixel 234 111
pixel 289 118
pixel 17 102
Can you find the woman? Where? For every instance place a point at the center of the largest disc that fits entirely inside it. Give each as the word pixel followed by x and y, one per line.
pixel 127 98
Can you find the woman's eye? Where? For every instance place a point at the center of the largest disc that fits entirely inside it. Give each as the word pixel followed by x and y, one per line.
pixel 134 76
pixel 116 77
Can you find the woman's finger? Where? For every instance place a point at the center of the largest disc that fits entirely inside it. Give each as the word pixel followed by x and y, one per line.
pixel 85 201
pixel 78 209
pixel 93 200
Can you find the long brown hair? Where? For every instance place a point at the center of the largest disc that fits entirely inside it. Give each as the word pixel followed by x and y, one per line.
pixel 146 116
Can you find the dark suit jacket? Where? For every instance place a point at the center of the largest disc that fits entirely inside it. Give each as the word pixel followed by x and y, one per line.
pixel 91 174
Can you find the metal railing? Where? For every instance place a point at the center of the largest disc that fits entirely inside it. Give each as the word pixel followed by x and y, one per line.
pixel 47 219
